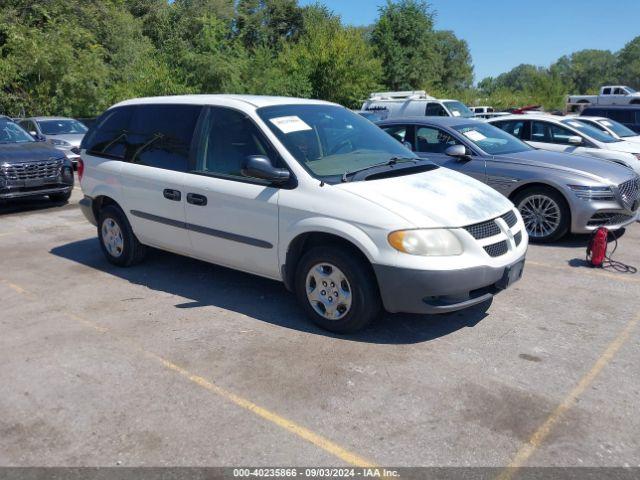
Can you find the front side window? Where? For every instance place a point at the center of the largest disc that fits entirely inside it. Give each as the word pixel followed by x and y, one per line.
pixel 435 110
pixel 11 132
pixel 63 126
pixel 227 139
pixel 492 140
pixel 588 130
pixel 28 126
pixel 458 109
pixel 513 127
pixel 329 140
pixel 619 91
pixel 399 132
pixel 433 140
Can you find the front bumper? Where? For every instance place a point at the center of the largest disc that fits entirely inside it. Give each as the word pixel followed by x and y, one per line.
pixel 442 291
pixel 11 193
pixel 589 216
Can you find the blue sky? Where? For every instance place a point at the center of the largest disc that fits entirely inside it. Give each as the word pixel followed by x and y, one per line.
pixel 505 33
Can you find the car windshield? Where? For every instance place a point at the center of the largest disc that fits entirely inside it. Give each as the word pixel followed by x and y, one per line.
pixel 458 109
pixel 590 131
pixel 617 128
pixel 62 126
pixel 329 140
pixel 492 140
pixel 11 132
pixel 630 90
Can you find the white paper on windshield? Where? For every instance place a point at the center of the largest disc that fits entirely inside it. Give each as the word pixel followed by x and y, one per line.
pixel 474 135
pixel 290 124
pixel 576 124
pixel 606 123
pixel 455 114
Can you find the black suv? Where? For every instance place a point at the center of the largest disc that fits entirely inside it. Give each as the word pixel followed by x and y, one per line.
pixel 31 168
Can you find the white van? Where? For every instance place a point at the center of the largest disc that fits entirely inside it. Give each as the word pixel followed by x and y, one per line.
pixel 301 191
pixel 416 103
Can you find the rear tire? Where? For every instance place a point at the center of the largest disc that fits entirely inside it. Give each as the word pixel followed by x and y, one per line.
pixel 337 289
pixel 60 197
pixel 545 213
pixel 117 240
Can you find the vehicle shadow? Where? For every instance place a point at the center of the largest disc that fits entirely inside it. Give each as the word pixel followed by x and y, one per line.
pixel 28 204
pixel 266 300
pixel 576 240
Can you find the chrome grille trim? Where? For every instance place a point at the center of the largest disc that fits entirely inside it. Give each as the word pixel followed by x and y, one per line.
pixel 497 249
pixel 630 192
pixel 31 170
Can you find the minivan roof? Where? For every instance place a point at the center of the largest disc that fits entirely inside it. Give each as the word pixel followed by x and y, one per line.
pixel 256 101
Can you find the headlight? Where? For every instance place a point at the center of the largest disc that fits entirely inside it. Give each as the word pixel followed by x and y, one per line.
pixel 62 143
pixel 432 242
pixel 592 193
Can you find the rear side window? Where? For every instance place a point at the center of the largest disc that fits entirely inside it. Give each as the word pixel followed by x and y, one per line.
pixel 160 135
pixel 514 127
pixel 435 110
pixel 622 116
pixel 606 91
pixel 108 136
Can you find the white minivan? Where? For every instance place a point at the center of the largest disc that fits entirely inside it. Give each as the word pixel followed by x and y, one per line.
pixel 301 191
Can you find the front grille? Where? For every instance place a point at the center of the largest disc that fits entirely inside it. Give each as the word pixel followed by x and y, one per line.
pixel 483 230
pixel 602 219
pixel 518 238
pixel 630 192
pixel 32 170
pixel 497 249
pixel 510 218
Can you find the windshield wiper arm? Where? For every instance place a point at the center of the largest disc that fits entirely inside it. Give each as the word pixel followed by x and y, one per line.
pixel 386 163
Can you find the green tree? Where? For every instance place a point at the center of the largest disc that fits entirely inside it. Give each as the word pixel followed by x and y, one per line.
pixel 404 42
pixel 629 64
pixel 268 22
pixel 586 71
pixel 457 70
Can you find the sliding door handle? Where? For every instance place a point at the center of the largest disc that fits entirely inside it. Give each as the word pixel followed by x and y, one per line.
pixel 173 195
pixel 195 199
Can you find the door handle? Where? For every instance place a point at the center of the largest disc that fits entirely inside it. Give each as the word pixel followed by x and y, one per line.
pixel 195 199
pixel 170 194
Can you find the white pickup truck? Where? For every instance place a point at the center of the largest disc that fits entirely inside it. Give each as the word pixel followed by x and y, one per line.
pixel 609 95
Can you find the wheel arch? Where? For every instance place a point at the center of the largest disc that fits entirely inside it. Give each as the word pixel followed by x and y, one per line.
pixel 321 235
pixel 101 201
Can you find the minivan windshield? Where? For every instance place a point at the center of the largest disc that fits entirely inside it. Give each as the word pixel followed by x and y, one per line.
pixel 458 109
pixel 11 132
pixel 330 141
pixel 62 126
pixel 590 131
pixel 492 140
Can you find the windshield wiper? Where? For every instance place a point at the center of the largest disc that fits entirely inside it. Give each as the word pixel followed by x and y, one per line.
pixel 388 163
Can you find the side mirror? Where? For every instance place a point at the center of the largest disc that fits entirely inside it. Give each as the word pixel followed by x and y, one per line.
pixel 39 137
pixel 458 151
pixel 575 140
pixel 258 166
pixel 408 145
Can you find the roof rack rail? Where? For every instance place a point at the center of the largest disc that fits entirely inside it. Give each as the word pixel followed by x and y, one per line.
pixel 406 95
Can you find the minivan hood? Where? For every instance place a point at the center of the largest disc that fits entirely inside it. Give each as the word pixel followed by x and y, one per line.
pixel 27 152
pixel 437 198
pixel 594 168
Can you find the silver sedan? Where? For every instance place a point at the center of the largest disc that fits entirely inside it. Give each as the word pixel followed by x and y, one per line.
pixel 555 192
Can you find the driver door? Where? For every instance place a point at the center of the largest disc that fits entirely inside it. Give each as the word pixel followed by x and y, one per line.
pixel 432 142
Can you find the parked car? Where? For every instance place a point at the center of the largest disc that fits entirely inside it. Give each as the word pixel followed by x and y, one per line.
pixel 276 187
pixel 65 134
pixel 609 95
pixel 555 192
pixel 31 168
pixel 611 127
pixel 548 132
pixel 486 112
pixel 371 116
pixel 399 104
pixel 628 116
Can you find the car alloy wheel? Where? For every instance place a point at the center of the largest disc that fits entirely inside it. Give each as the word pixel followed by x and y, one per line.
pixel 541 215
pixel 328 291
pixel 112 237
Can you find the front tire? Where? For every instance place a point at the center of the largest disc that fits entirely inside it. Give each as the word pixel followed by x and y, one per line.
pixel 545 213
pixel 337 289
pixel 117 240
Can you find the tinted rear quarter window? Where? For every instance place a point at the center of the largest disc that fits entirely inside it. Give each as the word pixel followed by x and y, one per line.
pixel 108 136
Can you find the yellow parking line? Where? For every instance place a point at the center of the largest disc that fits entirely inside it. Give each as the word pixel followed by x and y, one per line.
pixel 525 452
pixel 278 420
pixel 602 273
